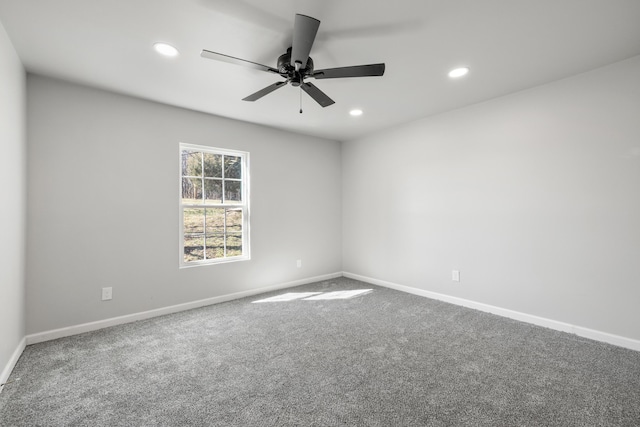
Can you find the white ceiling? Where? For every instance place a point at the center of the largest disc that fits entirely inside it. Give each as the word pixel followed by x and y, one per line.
pixel 510 45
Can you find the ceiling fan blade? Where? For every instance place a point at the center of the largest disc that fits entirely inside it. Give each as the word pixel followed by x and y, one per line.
pixel 237 61
pixel 319 96
pixel 304 33
pixel 262 92
pixel 355 71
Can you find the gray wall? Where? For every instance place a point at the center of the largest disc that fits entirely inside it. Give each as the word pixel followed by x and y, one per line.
pixel 534 197
pixel 13 199
pixel 103 205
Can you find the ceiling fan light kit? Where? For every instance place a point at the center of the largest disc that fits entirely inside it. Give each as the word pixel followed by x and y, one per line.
pixel 295 65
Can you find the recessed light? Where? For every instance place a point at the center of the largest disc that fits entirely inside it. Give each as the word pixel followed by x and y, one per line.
pixel 458 72
pixel 165 49
pixel 355 112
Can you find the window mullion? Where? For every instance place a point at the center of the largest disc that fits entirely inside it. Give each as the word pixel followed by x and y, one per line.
pixel 222 175
pixel 204 233
pixel 224 230
pixel 202 176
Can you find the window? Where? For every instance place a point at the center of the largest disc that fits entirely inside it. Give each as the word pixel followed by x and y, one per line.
pixel 214 205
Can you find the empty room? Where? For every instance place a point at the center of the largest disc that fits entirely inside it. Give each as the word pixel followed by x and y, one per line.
pixel 320 213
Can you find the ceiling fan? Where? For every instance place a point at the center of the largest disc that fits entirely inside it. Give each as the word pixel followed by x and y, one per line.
pixel 296 65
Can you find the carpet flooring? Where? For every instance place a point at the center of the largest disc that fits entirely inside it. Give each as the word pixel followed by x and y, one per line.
pixel 316 355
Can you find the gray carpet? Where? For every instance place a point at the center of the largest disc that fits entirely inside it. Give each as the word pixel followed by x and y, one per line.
pixel 383 358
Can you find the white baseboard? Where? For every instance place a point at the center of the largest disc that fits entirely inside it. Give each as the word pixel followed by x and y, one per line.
pixel 4 376
pixel 100 324
pixel 617 340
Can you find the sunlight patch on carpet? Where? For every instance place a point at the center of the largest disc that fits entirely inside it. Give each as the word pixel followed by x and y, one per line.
pixel 315 296
pixel 290 296
pixel 339 294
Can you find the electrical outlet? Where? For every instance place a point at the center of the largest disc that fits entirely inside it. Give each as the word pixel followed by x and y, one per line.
pixel 299 263
pixel 107 293
pixel 455 275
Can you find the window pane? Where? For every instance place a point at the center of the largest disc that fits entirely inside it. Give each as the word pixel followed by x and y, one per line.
pixel 214 209
pixel 193 248
pixel 212 165
pixel 232 167
pixel 232 191
pixel 191 163
pixel 215 220
pixel 213 191
pixel 215 246
pixel 191 190
pixel 193 221
pixel 234 220
pixel 234 244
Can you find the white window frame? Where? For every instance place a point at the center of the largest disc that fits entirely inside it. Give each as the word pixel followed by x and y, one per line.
pixel 244 205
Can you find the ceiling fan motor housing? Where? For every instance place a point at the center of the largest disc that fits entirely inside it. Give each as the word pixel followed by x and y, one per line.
pixel 287 70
